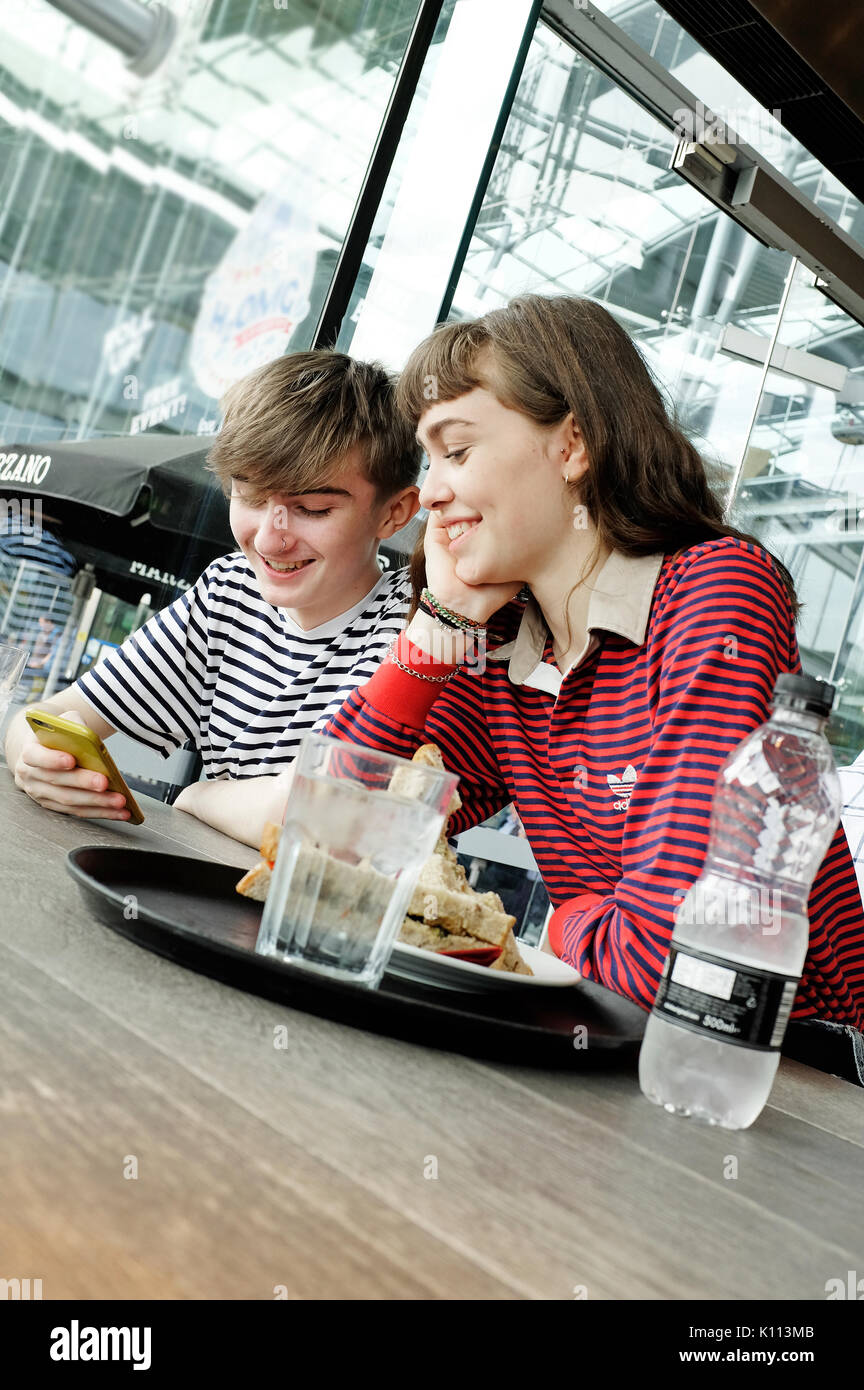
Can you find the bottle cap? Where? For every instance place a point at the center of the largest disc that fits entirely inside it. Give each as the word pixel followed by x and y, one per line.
pixel 804 693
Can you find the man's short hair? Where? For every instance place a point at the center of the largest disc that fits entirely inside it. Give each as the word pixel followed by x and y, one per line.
pixel 288 426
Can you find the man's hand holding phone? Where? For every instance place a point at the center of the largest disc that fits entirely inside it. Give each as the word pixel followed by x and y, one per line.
pixel 54 780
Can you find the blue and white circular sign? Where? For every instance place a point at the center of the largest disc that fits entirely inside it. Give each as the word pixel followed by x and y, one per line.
pixel 256 296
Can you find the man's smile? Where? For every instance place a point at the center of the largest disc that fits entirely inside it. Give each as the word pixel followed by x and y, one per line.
pixel 282 567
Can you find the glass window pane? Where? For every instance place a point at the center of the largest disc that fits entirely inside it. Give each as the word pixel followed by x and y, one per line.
pixel 803 495
pixel 160 239
pixel 582 201
pixel 420 225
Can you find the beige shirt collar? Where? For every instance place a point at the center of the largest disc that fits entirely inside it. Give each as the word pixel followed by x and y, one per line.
pixel 620 602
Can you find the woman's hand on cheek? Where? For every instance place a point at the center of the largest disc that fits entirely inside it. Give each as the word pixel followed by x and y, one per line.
pixel 476 601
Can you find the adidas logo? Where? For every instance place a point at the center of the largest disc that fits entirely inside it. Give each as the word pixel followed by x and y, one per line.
pixel 622 786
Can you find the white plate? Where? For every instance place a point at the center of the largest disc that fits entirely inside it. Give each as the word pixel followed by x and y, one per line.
pixel 434 969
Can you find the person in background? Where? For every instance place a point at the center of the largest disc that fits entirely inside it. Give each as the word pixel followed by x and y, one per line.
pixel 44 645
pixel 510 824
pixel 36 572
pixel 42 654
pixel 644 650
pixel 320 468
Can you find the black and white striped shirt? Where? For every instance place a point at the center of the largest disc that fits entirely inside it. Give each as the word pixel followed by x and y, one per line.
pixel 237 676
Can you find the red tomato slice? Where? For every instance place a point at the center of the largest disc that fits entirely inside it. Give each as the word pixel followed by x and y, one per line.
pixel 478 955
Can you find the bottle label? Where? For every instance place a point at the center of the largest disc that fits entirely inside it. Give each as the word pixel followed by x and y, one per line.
pixel 726 999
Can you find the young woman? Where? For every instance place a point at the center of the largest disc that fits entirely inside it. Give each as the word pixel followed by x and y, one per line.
pixel 645 649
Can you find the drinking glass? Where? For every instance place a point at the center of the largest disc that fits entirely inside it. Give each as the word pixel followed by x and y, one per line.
pixel 13 659
pixel 359 825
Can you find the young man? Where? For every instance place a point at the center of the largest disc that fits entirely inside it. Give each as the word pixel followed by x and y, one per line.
pixel 269 642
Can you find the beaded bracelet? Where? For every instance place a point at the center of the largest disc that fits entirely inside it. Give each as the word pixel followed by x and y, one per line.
pixel 438 680
pixel 443 623
pixel 430 604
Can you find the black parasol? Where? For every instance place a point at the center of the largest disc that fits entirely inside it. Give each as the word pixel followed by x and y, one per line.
pixel 159 478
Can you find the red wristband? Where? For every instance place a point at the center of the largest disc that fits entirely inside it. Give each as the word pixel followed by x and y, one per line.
pixel 415 657
pixel 400 695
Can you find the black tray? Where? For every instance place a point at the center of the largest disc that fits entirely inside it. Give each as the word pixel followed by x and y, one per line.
pixel 188 910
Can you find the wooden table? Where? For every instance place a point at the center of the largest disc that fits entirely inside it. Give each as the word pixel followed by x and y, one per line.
pixel 309 1169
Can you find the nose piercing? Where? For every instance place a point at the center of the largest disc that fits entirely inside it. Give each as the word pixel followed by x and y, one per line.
pixel 284 541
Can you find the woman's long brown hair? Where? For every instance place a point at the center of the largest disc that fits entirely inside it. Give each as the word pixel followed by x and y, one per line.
pixel 646 488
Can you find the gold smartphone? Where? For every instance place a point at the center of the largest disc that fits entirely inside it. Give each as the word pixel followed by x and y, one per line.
pixel 86 748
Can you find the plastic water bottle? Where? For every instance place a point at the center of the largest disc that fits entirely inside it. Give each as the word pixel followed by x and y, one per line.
pixel 712 1045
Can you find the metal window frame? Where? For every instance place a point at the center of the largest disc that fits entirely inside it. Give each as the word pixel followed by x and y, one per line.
pixel 359 230
pixel 739 182
pixel 491 157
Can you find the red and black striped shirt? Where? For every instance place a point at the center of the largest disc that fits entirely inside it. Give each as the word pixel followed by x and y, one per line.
pixel 612 766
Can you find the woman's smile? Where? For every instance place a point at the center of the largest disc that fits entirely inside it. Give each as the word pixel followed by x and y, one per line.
pixel 458 531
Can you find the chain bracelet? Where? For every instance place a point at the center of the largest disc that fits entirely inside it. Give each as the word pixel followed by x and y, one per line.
pixel 437 680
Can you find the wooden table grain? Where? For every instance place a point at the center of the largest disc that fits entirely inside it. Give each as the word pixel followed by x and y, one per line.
pixel 154 1143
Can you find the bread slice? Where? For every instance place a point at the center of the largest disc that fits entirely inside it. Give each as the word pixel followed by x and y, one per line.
pixel 336 896
pixel 327 892
pixel 405 782
pixel 416 933
pixel 510 959
pixel 458 909
pixel 256 884
pixel 434 938
pixel 443 869
pixel 270 837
